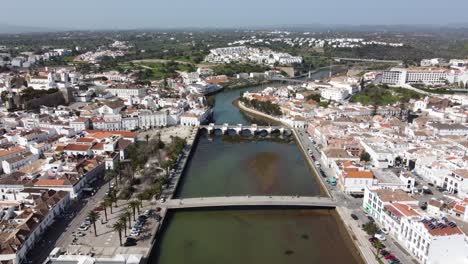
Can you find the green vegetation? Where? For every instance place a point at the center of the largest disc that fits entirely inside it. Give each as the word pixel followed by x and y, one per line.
pixel 266 107
pixel 160 71
pixel 211 101
pixel 30 93
pixel 230 69
pixel 365 157
pixel 383 95
pixel 370 228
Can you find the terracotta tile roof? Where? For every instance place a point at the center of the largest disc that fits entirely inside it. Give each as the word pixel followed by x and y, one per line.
pixel 85 140
pixel 359 174
pixel 462 173
pixel 51 182
pixel 11 151
pixel 98 146
pixel 77 147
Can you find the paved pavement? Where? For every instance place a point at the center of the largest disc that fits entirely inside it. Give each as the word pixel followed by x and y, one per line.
pixel 315 201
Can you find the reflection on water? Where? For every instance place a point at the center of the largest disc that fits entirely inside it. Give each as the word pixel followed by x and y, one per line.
pixel 277 236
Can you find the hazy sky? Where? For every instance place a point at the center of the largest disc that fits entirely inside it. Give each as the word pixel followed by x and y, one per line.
pixel 98 14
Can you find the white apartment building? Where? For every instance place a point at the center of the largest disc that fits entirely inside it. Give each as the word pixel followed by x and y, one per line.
pixel 334 93
pixel 433 241
pixel 421 75
pixel 428 240
pixel 150 119
pixel 127 91
pixel 457 182
pixel 381 156
pixel 15 163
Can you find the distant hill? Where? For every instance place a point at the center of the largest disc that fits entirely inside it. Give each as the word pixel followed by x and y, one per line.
pixel 16 29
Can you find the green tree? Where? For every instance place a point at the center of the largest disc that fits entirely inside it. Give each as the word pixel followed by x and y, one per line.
pixel 93 217
pixel 104 205
pixel 365 157
pixel 123 221
pixel 133 205
pixel 118 227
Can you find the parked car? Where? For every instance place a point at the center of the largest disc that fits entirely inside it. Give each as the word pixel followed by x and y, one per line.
pixel 135 233
pixel 384 252
pixel 162 200
pixel 148 212
pixel 394 261
pixel 130 242
pixel 354 217
pixel 384 231
pixel 83 228
pixel 390 256
pixel 370 218
pixel 380 237
pixel 79 234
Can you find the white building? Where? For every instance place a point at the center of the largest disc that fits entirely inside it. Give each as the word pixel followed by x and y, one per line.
pixel 334 93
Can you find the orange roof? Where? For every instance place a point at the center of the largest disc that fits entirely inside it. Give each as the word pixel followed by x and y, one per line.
pixel 77 147
pixel 447 231
pixel 50 182
pixel 459 208
pixel 359 174
pixel 98 146
pixel 405 209
pixel 11 151
pixel 85 140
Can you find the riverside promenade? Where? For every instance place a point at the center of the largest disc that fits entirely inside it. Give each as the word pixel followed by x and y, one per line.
pixel 232 201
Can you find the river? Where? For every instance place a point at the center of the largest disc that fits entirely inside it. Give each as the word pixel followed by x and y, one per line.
pixel 225 166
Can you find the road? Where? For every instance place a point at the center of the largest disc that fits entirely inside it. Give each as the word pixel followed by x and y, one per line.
pixel 60 234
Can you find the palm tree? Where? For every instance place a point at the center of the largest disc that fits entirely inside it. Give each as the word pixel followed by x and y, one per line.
pixel 108 203
pixel 113 197
pixel 118 226
pixel 123 221
pixel 128 215
pixel 147 137
pixel 93 217
pixel 133 205
pixel 109 176
pixel 103 204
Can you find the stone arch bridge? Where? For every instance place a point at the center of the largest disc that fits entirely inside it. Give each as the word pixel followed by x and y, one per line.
pixel 239 128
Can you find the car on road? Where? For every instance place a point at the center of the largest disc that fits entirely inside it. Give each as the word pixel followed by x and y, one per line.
pixel 130 242
pixel 353 216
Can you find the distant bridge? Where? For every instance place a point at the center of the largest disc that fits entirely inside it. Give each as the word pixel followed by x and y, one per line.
pixel 368 60
pixel 239 128
pixel 233 201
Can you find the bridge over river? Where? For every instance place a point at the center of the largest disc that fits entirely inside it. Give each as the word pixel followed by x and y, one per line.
pixel 232 201
pixel 239 128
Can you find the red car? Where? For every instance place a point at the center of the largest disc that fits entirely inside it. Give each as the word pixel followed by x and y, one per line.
pixel 390 256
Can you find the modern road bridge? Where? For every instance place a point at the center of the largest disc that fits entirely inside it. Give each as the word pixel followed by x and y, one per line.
pixel 233 201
